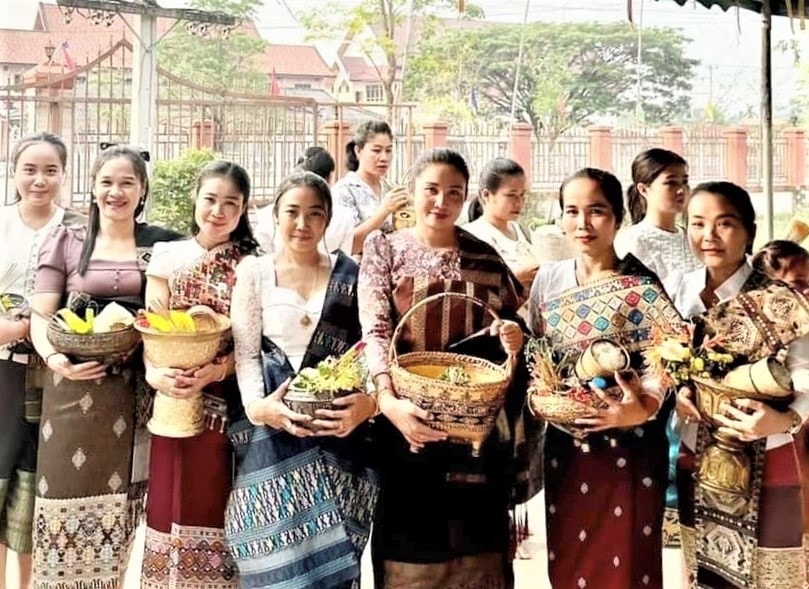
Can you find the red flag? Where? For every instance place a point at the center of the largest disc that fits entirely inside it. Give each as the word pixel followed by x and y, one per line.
pixel 69 61
pixel 275 89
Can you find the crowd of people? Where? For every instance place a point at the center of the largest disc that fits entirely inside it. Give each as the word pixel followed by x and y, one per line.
pixel 264 499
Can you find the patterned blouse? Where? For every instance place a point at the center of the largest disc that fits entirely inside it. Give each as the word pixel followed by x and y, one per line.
pixel 352 192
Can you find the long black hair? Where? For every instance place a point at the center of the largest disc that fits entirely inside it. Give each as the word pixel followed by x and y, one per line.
pixel 53 140
pixel 442 155
pixel 364 133
pixel 739 199
pixel 491 178
pixel 242 235
pixel 647 166
pixel 610 187
pixel 139 167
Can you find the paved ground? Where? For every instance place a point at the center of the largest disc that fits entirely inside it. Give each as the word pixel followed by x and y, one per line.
pixel 530 573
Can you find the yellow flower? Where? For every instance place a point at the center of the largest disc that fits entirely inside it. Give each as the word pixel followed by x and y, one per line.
pixel 697 364
pixel 674 351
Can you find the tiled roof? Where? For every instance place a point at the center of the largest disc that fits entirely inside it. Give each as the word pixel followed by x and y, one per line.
pixel 295 60
pixel 360 69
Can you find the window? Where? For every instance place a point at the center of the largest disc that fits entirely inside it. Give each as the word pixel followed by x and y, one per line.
pixel 303 86
pixel 374 93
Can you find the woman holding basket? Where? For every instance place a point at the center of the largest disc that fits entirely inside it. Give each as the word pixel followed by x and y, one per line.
pixel 299 514
pixel 443 514
pixel 91 472
pixel 606 472
pixel 190 477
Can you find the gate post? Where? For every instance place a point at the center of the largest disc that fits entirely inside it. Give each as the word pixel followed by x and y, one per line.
pixel 736 163
pixel 337 135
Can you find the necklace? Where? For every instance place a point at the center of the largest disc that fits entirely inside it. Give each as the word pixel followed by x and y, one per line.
pixel 305 320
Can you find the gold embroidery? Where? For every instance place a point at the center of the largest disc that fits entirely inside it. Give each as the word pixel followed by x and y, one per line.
pixel 780 568
pixel 688 538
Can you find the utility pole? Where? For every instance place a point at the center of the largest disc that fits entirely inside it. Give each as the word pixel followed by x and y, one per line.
pixel 639 81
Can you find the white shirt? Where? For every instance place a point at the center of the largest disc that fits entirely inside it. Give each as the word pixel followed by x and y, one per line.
pixel 339 233
pixel 515 252
pixel 689 304
pixel 19 260
pixel 665 253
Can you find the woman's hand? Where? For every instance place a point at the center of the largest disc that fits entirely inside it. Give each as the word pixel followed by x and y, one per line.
pixel 750 420
pixel 628 412
pixel 686 410
pixel 272 412
pixel 194 380
pixel 62 365
pixel 395 199
pixel 511 336
pixel 358 408
pixel 12 330
pixel 409 420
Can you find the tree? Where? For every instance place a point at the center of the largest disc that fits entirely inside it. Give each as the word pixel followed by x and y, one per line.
pixel 384 18
pixel 221 62
pixel 569 72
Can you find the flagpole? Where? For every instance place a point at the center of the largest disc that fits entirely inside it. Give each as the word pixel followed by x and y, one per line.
pixel 519 61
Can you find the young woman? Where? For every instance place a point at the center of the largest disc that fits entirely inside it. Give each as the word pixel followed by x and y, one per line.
pixel 38 162
pixel 656 200
pixel 721 230
pixel 300 511
pixel 90 473
pixel 190 478
pixel 443 516
pixel 604 495
pixel 501 198
pixel 363 189
pixel 340 232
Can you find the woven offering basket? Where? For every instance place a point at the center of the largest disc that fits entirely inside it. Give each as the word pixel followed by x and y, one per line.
pixel 174 417
pixel 303 401
pixel 467 413
pixel 107 348
pixel 561 409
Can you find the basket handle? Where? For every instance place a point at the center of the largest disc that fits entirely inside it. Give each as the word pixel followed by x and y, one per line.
pixel 393 356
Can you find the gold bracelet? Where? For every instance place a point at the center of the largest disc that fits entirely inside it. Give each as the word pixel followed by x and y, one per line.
pixel 224 373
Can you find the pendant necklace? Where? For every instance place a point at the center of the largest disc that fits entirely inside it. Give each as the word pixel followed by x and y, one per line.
pixel 306 321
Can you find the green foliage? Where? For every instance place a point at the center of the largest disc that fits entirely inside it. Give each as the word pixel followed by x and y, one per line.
pixel 570 72
pixel 217 61
pixel 337 18
pixel 172 189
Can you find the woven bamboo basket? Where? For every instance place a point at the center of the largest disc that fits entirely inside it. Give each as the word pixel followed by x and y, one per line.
pixel 181 417
pixel 107 348
pixel 183 349
pixel 711 394
pixel 467 413
pixel 563 409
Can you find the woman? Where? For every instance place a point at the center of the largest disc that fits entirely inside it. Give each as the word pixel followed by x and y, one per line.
pixel 789 262
pixel 443 516
pixel 38 162
pixel 340 232
pixel 656 200
pixel 721 231
pixel 300 510
pixel 501 199
pixel 604 495
pixel 90 465
pixel 362 190
pixel 190 478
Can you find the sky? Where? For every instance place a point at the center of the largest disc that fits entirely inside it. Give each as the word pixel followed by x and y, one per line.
pixel 727 44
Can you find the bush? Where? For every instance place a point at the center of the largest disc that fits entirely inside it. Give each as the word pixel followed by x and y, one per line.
pixel 172 189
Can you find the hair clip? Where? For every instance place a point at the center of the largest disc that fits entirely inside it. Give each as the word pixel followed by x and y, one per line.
pixel 105 145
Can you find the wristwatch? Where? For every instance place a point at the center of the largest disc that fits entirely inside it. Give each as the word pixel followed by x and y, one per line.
pixel 797 422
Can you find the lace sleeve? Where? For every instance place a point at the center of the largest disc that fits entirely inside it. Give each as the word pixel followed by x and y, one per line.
pixel 374 297
pixel 246 323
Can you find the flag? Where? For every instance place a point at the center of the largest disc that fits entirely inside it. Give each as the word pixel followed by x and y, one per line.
pixel 473 100
pixel 275 89
pixel 69 61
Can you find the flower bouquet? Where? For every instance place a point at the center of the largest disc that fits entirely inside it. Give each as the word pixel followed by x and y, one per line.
pixel 316 387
